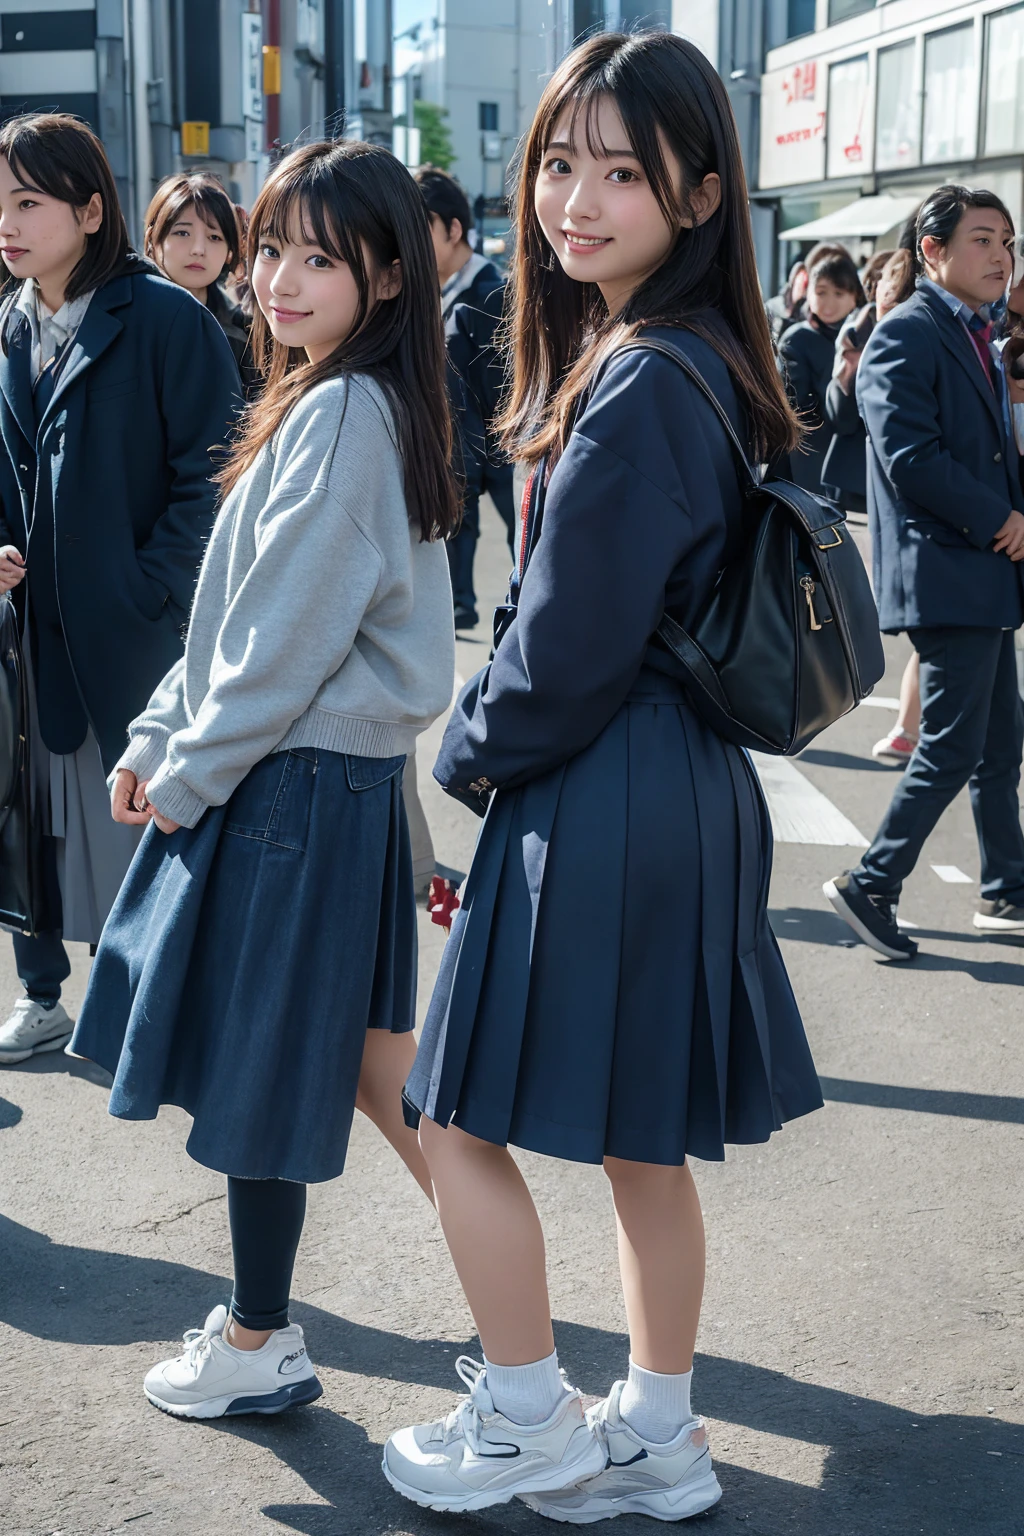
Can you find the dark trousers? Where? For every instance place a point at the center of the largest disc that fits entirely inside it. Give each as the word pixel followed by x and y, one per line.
pixel 972 732
pixel 266 1217
pixel 462 549
pixel 42 965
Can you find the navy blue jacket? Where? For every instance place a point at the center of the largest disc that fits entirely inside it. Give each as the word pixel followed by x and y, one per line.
pixel 642 510
pixel 118 479
pixel 807 355
pixel 479 381
pixel 942 478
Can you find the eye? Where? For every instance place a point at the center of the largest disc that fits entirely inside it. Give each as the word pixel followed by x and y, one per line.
pixel 269 252
pixel 215 238
pixel 321 263
pixel 28 202
pixel 558 167
pixel 626 175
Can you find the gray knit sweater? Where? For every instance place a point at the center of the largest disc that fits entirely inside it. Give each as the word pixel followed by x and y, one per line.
pixel 320 618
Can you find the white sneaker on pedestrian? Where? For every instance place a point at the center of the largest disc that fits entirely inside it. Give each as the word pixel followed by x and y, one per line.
pixel 30 1029
pixel 477 1457
pixel 211 1380
pixel 896 747
pixel 668 1482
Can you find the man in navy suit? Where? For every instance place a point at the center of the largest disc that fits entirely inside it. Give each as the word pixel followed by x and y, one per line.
pixel 947 525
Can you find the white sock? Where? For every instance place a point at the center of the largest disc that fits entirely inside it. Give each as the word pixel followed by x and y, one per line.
pixel 654 1406
pixel 526 1394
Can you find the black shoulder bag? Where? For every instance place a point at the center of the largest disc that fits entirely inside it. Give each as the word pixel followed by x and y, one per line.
pixel 24 894
pixel 788 641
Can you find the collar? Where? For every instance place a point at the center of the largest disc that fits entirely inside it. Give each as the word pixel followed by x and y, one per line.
pixel 50 330
pixel 956 306
pixel 463 279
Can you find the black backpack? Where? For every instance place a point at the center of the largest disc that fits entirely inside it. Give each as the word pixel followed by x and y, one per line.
pixel 788 641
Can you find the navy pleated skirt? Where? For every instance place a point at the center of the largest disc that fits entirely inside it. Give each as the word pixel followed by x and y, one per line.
pixel 611 986
pixel 244 961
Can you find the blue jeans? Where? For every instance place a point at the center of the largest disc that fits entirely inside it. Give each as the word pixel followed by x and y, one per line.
pixel 972 732
pixel 42 965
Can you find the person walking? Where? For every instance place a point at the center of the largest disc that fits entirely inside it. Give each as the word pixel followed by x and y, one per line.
pixel 114 388
pixel 807 354
pixel 193 235
pixel 259 966
pixel 947 526
pixel 611 992
pixel 844 471
pixel 472 301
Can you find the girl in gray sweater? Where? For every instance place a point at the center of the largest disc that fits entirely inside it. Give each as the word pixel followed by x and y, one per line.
pixel 259 966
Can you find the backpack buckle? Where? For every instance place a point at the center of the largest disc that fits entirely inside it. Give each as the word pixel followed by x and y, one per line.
pixel 837 540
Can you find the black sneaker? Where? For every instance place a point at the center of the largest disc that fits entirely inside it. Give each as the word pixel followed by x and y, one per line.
pixel 872 918
pixel 1000 915
pixel 465 618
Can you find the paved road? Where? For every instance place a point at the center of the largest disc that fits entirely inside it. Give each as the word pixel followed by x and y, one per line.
pixel 862 1364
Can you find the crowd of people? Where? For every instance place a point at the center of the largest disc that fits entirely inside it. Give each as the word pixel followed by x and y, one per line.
pixel 304 408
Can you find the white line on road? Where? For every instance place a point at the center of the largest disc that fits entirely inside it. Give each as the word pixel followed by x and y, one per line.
pixel 879 701
pixel 799 811
pixel 952 875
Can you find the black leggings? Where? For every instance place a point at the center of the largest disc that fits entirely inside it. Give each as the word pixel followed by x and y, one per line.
pixel 266 1217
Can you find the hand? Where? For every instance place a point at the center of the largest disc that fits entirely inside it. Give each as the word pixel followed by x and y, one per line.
pixel 128 803
pixel 163 823
pixel 12 567
pixel 849 357
pixel 1010 538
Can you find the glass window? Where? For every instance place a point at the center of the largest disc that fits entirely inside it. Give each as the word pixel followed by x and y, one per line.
pixel 950 95
pixel 1004 108
pixel 799 17
pixel 488 116
pixel 898 113
pixel 847 117
pixel 840 10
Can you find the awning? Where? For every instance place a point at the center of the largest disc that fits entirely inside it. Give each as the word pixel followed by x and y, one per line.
pixel 867 217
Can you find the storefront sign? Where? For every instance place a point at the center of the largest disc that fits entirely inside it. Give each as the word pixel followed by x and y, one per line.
pixel 793 124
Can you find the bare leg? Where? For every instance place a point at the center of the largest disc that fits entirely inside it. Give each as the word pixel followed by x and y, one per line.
pixel 909 721
pixel 495 1238
pixel 661 1259
pixel 387 1062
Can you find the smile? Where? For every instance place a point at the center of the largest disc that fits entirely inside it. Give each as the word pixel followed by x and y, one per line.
pixel 289 316
pixel 13 252
pixel 584 242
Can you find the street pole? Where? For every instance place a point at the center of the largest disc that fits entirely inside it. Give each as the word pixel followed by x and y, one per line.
pixel 141 68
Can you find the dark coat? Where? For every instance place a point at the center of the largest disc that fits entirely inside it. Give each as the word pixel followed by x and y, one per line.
pixel 807 354
pixel 237 326
pixel 942 477
pixel 479 377
pixel 119 478
pixel 845 470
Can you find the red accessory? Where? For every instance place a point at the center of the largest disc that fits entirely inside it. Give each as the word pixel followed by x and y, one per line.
pixel 443 902
pixel 524 518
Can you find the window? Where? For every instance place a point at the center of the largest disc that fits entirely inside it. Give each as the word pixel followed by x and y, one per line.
pixel 898 113
pixel 799 17
pixel 488 117
pixel 841 10
pixel 1004 107
pixel 847 118
pixel 950 95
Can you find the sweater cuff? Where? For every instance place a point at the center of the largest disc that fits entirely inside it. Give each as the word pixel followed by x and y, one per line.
pixel 144 755
pixel 173 798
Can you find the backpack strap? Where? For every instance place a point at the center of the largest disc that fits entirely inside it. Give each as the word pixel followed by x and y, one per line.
pixel 677 355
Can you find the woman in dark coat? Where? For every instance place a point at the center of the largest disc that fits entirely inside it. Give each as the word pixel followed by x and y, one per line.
pixel 611 992
pixel 807 354
pixel 114 388
pixel 844 472
pixel 193 235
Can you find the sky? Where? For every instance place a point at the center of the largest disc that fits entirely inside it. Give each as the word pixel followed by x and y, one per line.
pixel 406 12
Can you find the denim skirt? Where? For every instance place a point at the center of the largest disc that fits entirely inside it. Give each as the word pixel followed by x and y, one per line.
pixel 245 959
pixel 611 986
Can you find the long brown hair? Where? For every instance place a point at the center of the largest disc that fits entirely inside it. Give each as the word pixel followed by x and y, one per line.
pixel 559 331
pixel 353 200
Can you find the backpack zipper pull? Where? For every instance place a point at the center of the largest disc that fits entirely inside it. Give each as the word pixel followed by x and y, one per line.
pixel 807 582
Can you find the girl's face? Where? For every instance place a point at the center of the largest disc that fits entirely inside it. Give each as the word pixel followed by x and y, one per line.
pixel 829 303
pixel 599 213
pixel 310 299
pixel 193 253
pixel 40 236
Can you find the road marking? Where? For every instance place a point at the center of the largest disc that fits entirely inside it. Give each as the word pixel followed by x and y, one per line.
pixel 879 701
pixel 952 875
pixel 799 811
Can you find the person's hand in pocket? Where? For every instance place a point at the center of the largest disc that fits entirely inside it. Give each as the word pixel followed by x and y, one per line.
pixel 12 567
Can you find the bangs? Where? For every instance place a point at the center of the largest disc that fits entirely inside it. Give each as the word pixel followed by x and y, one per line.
pixel 297 208
pixel 582 100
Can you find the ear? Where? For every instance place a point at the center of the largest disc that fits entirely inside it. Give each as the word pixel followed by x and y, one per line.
pixel 389 284
pixel 931 249
pixel 92 214
pixel 706 199
pixel 456 234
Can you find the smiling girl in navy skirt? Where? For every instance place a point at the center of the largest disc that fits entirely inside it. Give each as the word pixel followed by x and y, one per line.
pixel 259 966
pixel 611 991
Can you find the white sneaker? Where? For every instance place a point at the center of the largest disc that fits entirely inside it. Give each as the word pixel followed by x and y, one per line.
pixel 212 1380
pixel 476 1457
pixel 669 1482
pixel 30 1029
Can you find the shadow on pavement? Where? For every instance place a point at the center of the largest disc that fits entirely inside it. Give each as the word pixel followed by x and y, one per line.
pixel 846 760
pixel 10 1114
pixel 68 1066
pixel 810 925
pixel 885 1469
pixel 929 1101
